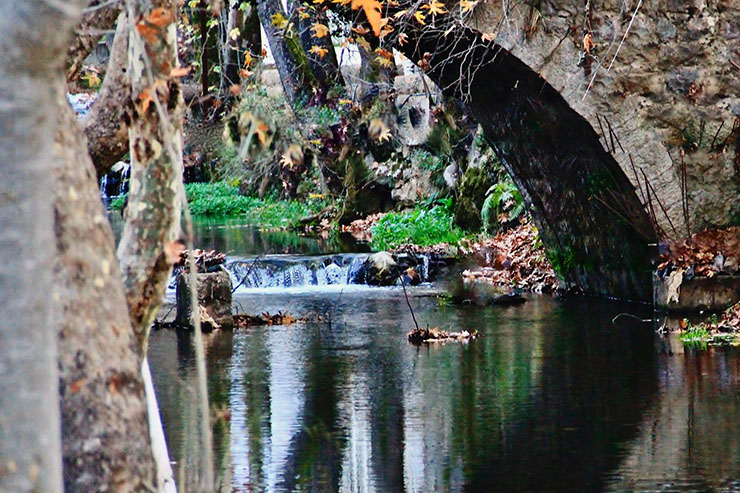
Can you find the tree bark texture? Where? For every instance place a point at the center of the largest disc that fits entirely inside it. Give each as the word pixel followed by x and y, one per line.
pixel 106 125
pixel 155 136
pixel 33 37
pixel 595 228
pixel 286 51
pixel 104 411
pixel 230 47
pixel 98 17
pixel 326 69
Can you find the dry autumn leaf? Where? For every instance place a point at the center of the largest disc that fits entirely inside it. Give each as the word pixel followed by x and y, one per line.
pixel 319 30
pixel 179 71
pixel 420 18
pixel 361 30
pixel 151 34
pixel 372 9
pixel 467 5
pixel 316 50
pixel 160 17
pixel 403 38
pixel 172 251
pixel 435 7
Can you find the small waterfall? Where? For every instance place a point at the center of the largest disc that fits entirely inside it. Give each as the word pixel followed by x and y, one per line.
pixel 278 271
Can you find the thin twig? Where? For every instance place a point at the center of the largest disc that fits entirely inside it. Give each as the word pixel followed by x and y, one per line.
pixel 403 285
pixel 249 271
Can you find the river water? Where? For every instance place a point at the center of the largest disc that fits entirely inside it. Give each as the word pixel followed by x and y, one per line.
pixel 552 396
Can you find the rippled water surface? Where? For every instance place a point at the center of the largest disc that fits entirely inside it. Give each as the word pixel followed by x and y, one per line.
pixel 552 396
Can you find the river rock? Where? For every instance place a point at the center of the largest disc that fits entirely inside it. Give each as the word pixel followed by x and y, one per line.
pixel 214 296
pixel 381 269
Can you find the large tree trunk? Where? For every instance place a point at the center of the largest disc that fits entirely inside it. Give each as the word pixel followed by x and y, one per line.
pixel 230 47
pixel 590 219
pixel 104 413
pixel 99 16
pixel 153 213
pixel 326 69
pixel 105 125
pixel 290 60
pixel 33 37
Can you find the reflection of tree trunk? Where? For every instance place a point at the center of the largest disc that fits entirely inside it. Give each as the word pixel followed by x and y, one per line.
pixel 104 414
pixel 105 125
pixel 33 38
pixel 290 59
pixel 98 17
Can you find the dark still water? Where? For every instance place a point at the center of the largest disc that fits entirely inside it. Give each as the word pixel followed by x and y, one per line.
pixel 551 397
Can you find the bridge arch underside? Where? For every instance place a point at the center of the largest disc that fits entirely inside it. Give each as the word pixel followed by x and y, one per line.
pixel 590 219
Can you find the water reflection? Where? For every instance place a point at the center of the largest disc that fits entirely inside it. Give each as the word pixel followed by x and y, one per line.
pixel 553 397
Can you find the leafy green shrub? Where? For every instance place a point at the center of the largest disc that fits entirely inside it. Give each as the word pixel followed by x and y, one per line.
pixel 500 196
pixel 420 227
pixel 117 203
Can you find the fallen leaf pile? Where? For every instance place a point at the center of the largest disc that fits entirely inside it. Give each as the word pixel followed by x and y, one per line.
pixel 361 227
pixel 417 336
pixel 204 259
pixel 245 320
pixel 516 258
pixel 707 253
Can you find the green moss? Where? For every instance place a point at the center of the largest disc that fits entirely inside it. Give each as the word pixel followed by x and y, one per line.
pixel 472 193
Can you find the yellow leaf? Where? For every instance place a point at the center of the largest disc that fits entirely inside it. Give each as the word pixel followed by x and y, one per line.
pixel 383 62
pixel 234 34
pixel 92 79
pixel 362 43
pixel 248 58
pixel 384 53
pixel 385 30
pixel 318 2
pixel 420 18
pixel 345 101
pixel 315 195
pixel 372 10
pixel 435 7
pixel 279 21
pixel 321 52
pixel 314 142
pixel 399 14
pixel 467 5
pixel 303 14
pixel 319 30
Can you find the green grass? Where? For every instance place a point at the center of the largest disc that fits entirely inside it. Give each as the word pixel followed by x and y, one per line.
pixel 420 227
pixel 220 199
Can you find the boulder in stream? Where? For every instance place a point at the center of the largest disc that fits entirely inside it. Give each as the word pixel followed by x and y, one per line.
pixel 381 269
pixel 214 298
